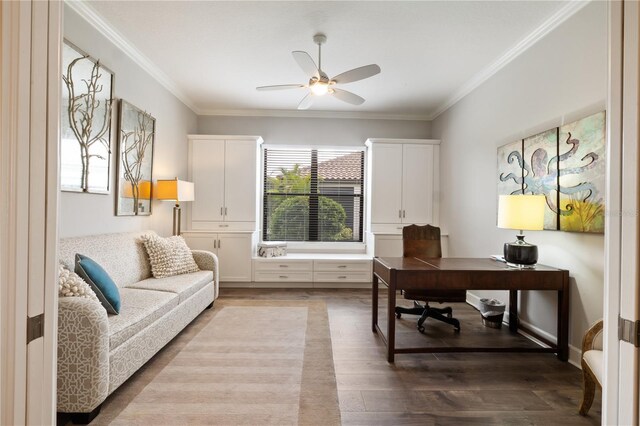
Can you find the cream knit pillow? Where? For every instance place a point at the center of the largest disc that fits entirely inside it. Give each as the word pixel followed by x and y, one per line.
pixel 71 284
pixel 169 256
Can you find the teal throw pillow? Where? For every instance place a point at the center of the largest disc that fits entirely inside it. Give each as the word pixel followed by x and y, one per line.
pixel 100 282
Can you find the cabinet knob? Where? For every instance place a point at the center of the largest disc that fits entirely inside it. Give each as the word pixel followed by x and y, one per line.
pixel 284 276
pixel 342 266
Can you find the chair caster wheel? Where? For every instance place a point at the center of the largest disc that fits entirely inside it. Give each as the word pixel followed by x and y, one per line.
pixel 398 315
pixel 421 329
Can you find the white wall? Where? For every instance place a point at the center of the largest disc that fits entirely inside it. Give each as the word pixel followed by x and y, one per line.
pixel 313 131
pixel 85 214
pixel 561 78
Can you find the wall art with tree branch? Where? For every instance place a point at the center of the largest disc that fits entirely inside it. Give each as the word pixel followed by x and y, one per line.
pixel 136 134
pixel 87 100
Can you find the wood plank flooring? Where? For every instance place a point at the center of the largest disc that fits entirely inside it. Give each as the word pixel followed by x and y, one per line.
pixel 438 389
pixel 419 389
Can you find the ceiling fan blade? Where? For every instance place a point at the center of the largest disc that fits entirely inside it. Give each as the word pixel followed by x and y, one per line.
pixel 348 97
pixel 306 63
pixel 306 102
pixel 281 87
pixel 357 74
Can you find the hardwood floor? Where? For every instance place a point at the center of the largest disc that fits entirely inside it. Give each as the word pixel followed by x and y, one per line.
pixel 438 389
pixel 418 389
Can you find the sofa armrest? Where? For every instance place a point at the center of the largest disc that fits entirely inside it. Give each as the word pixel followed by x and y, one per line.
pixel 206 261
pixel 83 355
pixel 593 338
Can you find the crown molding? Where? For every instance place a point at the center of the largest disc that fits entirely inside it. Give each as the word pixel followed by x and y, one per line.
pixel 311 114
pixel 89 14
pixel 523 45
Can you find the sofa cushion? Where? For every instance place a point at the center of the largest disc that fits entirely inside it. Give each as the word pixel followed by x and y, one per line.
pixel 169 256
pixel 100 282
pixel 139 309
pixel 594 360
pixel 184 285
pixel 122 255
pixel 71 284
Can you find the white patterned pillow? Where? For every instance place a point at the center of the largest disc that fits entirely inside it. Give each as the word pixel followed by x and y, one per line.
pixel 71 284
pixel 169 256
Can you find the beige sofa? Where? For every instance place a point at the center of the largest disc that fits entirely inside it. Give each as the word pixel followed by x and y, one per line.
pixel 97 352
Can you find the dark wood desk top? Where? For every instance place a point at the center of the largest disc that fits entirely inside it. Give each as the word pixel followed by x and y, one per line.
pixel 452 264
pixel 465 274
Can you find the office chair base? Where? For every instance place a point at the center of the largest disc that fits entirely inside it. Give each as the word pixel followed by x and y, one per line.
pixel 441 314
pixel 432 313
pixel 418 309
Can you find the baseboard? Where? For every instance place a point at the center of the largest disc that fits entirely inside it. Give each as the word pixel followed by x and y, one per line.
pixel 575 354
pixel 279 284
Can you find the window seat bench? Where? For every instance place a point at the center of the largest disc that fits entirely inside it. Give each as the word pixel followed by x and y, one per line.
pixel 313 270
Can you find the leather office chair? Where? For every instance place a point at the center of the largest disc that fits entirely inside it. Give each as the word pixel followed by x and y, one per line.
pixel 423 242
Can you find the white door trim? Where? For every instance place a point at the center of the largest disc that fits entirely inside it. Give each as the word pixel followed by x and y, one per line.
pixel 29 126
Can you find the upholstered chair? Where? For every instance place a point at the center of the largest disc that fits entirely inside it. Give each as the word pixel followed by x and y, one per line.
pixel 592 365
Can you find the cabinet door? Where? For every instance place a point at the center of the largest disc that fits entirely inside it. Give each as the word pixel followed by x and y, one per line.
pixel 234 257
pixel 207 172
pixel 201 241
pixel 240 181
pixel 386 183
pixel 417 184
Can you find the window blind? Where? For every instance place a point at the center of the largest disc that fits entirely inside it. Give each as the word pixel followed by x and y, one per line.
pixel 313 195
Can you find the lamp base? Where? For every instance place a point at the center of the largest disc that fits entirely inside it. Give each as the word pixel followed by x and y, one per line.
pixel 520 252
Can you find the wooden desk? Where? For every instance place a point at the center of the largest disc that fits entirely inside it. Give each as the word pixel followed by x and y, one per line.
pixel 404 273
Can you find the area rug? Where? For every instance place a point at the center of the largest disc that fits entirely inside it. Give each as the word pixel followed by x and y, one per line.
pixel 252 363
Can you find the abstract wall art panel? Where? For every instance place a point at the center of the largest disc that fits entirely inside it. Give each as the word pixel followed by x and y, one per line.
pixel 85 139
pixel 541 172
pixel 582 174
pixel 510 168
pixel 565 164
pixel 136 134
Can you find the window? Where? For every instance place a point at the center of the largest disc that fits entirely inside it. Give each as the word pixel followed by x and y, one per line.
pixel 313 195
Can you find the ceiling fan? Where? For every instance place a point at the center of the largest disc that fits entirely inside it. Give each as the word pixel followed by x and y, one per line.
pixel 319 83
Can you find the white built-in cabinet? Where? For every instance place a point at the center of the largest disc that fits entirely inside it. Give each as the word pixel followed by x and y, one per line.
pixel 223 216
pixel 224 170
pixel 232 248
pixel 403 189
pixel 403 176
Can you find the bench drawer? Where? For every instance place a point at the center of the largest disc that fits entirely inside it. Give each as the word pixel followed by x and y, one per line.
pixel 283 265
pixel 342 266
pixel 283 276
pixel 347 277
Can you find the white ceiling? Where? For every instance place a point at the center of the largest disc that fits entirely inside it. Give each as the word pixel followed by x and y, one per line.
pixel 213 54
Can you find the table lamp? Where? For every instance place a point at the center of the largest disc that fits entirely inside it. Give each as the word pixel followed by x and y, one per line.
pixel 523 212
pixel 175 190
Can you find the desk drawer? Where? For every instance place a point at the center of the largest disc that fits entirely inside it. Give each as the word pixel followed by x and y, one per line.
pixel 283 276
pixel 347 277
pixel 283 265
pixel 342 266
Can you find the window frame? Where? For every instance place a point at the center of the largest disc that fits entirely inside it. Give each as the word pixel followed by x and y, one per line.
pixel 314 245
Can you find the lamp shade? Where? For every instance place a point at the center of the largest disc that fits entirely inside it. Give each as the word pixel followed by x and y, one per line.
pixel 524 212
pixel 175 190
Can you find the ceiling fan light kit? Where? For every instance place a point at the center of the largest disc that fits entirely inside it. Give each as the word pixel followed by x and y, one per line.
pixel 319 83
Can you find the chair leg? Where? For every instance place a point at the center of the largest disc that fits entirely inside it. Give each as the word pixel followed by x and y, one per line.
pixel 411 311
pixel 437 316
pixel 589 390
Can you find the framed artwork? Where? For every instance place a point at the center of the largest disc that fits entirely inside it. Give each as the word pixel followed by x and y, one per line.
pixel 540 153
pixel 582 174
pixel 565 164
pixel 136 135
pixel 87 99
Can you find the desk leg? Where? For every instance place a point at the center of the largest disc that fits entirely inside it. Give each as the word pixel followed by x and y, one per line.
pixel 374 303
pixel 513 311
pixel 563 319
pixel 391 319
